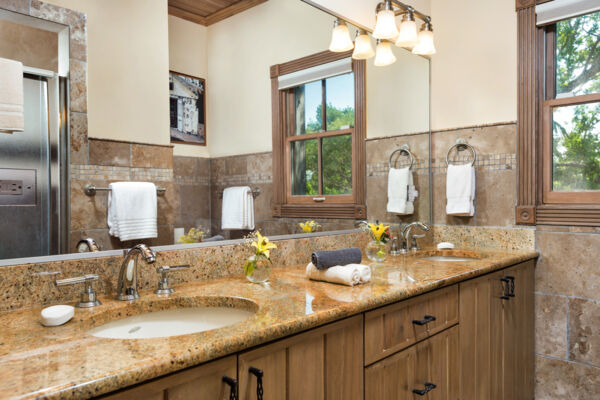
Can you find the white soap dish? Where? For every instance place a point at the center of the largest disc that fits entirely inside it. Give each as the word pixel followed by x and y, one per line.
pixel 445 246
pixel 57 315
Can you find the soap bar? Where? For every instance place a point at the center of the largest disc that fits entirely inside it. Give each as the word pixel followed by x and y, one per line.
pixel 57 315
pixel 445 246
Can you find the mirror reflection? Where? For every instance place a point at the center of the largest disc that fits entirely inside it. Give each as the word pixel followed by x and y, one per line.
pixel 277 135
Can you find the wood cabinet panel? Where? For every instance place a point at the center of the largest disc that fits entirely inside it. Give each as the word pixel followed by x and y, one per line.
pixel 204 382
pixel 326 362
pixel 391 328
pixel 433 361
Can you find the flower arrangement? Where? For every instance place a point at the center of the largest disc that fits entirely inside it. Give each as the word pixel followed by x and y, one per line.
pixel 193 236
pixel 261 260
pixel 309 226
pixel 380 233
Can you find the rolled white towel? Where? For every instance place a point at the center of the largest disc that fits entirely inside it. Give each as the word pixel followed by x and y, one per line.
pixel 348 275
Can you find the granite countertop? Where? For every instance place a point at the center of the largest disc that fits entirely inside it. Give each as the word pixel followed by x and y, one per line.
pixel 66 362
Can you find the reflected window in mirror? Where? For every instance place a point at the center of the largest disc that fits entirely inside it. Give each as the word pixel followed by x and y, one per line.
pixel 318 136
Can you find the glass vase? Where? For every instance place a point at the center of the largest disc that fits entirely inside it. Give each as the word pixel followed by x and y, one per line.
pixel 376 251
pixel 258 268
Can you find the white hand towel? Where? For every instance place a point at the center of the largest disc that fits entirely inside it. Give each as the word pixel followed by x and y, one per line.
pixel 460 190
pixel 401 191
pixel 348 275
pixel 238 208
pixel 11 96
pixel 132 210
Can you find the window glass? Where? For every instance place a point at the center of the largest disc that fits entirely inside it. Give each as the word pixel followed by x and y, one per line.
pixel 339 97
pixel 337 164
pixel 305 167
pixel 578 56
pixel 576 147
pixel 308 100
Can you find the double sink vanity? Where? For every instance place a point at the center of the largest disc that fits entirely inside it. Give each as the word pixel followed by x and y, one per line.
pixel 435 324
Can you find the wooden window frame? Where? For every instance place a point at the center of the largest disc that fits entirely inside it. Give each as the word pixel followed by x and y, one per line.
pixel 335 206
pixel 537 204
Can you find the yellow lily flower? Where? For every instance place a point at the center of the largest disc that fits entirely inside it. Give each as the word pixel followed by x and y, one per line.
pixel 309 226
pixel 262 245
pixel 378 230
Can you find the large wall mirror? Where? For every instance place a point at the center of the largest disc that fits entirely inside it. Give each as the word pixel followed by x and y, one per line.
pixel 236 57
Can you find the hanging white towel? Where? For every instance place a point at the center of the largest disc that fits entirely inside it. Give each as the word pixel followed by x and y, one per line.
pixel 349 275
pixel 460 190
pixel 401 191
pixel 132 210
pixel 238 208
pixel 11 96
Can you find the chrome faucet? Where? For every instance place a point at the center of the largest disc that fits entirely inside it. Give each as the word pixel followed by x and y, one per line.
pixel 127 283
pixel 409 242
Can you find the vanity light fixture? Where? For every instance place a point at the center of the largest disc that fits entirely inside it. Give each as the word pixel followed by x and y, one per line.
pixel 425 45
pixel 363 49
pixel 385 25
pixel 384 55
pixel 386 32
pixel 340 37
pixel 408 31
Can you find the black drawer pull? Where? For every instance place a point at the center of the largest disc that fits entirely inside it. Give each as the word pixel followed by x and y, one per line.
pixel 427 319
pixel 233 385
pixel 428 388
pixel 259 385
pixel 508 283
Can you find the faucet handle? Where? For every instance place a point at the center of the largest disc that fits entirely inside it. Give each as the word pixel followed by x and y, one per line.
pixel 415 245
pixel 88 297
pixel 163 284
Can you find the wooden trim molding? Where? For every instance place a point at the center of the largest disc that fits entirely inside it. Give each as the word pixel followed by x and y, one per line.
pixel 217 16
pixel 355 206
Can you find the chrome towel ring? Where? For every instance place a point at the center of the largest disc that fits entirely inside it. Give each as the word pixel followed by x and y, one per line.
pixel 404 149
pixel 461 144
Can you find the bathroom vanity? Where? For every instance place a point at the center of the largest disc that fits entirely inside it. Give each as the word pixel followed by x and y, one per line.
pixel 440 329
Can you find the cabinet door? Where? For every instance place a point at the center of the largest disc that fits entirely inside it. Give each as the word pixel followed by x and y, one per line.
pixel 199 383
pixel 496 335
pixel 430 367
pixel 325 363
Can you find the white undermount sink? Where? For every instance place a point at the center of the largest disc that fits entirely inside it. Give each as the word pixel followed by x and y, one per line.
pixel 448 258
pixel 172 322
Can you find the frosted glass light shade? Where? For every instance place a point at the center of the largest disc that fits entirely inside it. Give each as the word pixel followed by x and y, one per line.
pixel 408 33
pixel 340 38
pixel 425 46
pixel 384 55
pixel 385 27
pixel 363 49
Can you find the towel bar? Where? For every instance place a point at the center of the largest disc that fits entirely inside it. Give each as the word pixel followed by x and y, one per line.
pixel 405 148
pixel 255 193
pixel 91 190
pixel 461 144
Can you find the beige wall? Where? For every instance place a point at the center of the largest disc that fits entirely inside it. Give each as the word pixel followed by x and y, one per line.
pixel 188 55
pixel 474 73
pixel 128 64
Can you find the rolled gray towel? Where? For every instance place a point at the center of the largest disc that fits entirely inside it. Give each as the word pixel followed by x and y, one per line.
pixel 214 238
pixel 329 258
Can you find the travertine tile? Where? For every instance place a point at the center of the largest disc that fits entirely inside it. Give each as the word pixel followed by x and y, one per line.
pixel 584 331
pixel 20 6
pixel 260 163
pixel 184 167
pixel 150 156
pixel 557 379
pixel 87 212
pixel 106 152
pixel 496 198
pixel 485 140
pixel 236 165
pixel 551 325
pixel 567 266
pixel 78 85
pixel 79 138
pixel 168 204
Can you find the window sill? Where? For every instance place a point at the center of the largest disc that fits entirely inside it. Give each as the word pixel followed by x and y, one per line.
pixel 568 214
pixel 341 211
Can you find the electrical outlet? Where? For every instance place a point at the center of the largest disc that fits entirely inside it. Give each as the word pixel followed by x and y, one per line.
pixel 11 187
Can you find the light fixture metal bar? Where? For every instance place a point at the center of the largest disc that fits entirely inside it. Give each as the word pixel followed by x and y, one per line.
pixel 405 7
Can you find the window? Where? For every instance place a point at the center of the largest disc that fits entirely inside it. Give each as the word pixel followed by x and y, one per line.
pixel 318 137
pixel 571 112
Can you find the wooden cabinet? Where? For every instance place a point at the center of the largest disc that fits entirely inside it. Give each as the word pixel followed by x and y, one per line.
pixel 392 328
pixel 199 383
pixel 496 335
pixel 325 363
pixel 430 368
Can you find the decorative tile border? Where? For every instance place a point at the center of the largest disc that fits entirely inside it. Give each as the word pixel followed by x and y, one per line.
pixel 110 173
pixel 484 162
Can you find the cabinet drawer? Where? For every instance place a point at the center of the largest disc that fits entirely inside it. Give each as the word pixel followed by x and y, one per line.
pixel 397 326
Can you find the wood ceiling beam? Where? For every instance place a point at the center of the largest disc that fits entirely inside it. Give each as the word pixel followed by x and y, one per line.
pixel 187 15
pixel 233 9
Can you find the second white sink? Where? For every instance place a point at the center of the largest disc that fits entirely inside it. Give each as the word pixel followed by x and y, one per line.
pixel 173 322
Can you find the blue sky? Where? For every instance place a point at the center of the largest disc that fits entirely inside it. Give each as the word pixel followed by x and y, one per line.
pixel 340 93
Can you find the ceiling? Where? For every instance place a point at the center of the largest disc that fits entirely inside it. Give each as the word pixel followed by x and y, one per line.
pixel 207 12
